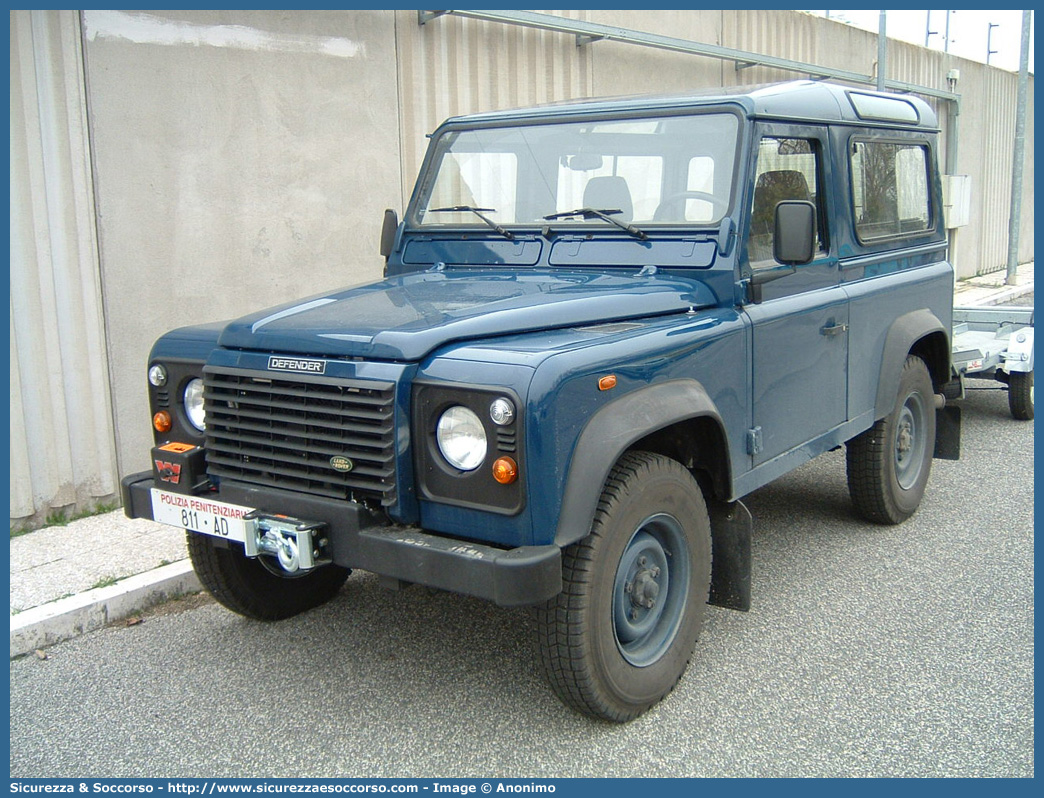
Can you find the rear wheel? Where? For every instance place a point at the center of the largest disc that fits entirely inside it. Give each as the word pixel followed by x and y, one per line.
pixel 619 636
pixel 888 465
pixel 245 585
pixel 1020 395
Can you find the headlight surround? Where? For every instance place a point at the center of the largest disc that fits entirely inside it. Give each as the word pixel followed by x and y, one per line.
pixel 193 402
pixel 461 438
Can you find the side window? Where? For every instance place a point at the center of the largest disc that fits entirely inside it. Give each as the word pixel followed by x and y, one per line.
pixel 787 169
pixel 889 189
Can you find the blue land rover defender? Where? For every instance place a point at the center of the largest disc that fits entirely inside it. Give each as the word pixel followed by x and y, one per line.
pixel 601 325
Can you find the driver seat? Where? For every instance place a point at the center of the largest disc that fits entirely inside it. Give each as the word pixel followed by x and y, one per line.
pixel 608 191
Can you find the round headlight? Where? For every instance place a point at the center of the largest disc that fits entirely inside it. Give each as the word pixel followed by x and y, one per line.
pixel 194 404
pixel 462 439
pixel 158 375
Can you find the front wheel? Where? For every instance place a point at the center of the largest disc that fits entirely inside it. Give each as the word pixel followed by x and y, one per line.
pixel 888 465
pixel 619 636
pixel 1020 395
pixel 244 585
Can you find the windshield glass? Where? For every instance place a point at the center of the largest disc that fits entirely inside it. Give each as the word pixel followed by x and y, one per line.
pixel 650 171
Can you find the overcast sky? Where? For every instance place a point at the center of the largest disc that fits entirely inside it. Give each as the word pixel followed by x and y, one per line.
pixel 968 32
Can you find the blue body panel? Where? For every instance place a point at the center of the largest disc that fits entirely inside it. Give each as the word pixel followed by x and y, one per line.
pixel 406 317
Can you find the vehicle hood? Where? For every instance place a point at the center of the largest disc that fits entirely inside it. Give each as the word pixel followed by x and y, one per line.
pixel 406 317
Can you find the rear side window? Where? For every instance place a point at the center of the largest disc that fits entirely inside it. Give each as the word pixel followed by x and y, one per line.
pixel 890 189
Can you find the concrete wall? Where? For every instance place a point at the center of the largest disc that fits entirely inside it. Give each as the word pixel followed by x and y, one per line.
pixel 241 159
pixel 237 159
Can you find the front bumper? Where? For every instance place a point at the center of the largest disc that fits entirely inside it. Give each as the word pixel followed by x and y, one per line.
pixel 358 539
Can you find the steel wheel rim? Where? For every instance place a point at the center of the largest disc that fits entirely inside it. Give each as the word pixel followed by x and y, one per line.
pixel 650 590
pixel 909 441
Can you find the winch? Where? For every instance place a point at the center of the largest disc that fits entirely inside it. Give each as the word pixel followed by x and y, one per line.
pixel 298 546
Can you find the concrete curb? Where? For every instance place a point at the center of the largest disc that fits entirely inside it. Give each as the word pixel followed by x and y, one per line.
pixel 984 297
pixel 1012 292
pixel 60 620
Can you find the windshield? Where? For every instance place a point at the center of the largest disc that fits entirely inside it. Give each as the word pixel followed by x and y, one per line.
pixel 650 171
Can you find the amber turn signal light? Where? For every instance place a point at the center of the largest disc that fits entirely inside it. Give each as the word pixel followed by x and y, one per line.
pixel 607 382
pixel 505 470
pixel 161 421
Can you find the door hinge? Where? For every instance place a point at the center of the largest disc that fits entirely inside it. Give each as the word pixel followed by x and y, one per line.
pixel 754 441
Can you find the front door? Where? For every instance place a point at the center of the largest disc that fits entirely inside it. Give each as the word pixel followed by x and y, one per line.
pixel 800 328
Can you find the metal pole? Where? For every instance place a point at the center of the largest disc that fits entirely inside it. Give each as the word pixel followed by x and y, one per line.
pixel 946 41
pixel 882 50
pixel 928 32
pixel 953 128
pixel 989 40
pixel 589 32
pixel 1020 151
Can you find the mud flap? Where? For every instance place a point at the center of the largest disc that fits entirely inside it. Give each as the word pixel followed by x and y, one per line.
pixel 731 530
pixel 948 433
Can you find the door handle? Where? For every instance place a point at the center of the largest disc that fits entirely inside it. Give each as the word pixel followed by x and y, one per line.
pixel 833 329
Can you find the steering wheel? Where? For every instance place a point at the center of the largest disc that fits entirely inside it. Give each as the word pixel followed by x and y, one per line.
pixel 719 205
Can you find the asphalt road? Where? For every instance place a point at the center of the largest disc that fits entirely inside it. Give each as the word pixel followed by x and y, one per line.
pixel 869 651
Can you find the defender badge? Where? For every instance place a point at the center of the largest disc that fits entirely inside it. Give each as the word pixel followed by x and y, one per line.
pixel 296 364
pixel 342 464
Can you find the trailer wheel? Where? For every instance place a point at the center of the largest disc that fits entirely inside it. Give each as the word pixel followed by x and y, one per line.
pixel 1020 395
pixel 888 465
pixel 619 636
pixel 244 585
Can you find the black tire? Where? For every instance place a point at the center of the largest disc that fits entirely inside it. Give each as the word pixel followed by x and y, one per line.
pixel 604 651
pixel 1020 395
pixel 888 465
pixel 244 585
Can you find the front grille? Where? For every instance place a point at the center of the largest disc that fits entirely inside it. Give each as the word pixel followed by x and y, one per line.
pixel 288 433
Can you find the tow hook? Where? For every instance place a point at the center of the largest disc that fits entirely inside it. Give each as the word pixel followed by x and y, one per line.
pixel 297 545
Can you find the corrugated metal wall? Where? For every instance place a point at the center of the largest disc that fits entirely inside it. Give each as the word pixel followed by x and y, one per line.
pixel 454 66
pixel 994 188
pixel 63 447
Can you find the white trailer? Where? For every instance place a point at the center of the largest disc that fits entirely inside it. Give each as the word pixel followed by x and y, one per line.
pixel 996 343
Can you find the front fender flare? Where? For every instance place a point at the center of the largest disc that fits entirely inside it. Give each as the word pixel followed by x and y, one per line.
pixel 610 432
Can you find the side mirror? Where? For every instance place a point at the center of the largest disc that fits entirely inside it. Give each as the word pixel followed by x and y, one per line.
pixel 391 224
pixel 794 242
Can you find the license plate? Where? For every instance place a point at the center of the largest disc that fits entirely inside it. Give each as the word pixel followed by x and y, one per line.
pixel 220 519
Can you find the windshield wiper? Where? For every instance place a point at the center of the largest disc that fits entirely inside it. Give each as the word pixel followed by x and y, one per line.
pixel 479 213
pixel 603 214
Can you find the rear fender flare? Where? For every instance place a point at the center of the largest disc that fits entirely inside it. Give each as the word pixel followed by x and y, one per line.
pixel 903 338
